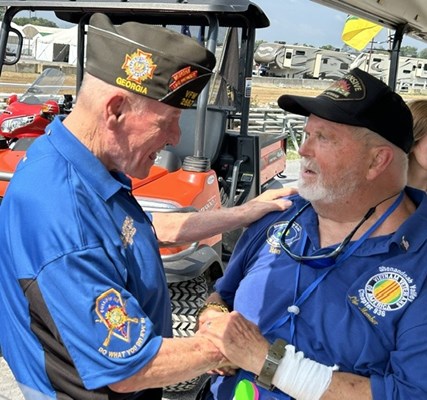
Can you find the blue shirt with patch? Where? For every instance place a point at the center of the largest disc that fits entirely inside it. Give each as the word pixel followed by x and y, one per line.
pixel 84 296
pixel 368 315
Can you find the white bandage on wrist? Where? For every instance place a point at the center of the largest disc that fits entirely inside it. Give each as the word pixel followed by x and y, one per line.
pixel 302 378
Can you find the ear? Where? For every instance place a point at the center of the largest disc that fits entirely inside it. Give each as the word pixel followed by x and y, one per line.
pixel 114 111
pixel 381 157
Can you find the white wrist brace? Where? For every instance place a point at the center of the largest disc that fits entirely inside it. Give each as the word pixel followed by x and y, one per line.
pixel 302 378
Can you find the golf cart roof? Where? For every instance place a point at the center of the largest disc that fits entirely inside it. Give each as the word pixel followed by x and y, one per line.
pixel 390 13
pixel 178 12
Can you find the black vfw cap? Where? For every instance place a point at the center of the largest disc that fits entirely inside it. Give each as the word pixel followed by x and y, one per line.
pixel 148 60
pixel 359 99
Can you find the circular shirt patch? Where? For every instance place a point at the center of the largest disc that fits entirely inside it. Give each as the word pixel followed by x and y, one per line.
pixel 387 291
pixel 275 233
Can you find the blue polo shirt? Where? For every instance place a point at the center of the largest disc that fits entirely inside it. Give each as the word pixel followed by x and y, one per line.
pixel 84 299
pixel 368 315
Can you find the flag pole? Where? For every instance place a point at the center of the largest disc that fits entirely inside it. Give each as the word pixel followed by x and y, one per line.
pixel 371 50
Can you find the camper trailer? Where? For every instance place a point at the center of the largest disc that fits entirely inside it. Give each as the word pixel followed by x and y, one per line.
pixel 411 71
pixel 295 61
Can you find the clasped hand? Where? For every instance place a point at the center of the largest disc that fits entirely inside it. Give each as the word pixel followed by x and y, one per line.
pixel 238 339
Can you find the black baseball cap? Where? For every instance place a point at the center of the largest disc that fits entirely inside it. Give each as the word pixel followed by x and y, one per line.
pixel 148 60
pixel 359 99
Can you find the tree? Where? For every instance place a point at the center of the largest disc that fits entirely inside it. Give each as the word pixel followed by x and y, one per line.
pixel 408 51
pixel 2 10
pixel 304 44
pixel 328 47
pixel 422 53
pixel 34 21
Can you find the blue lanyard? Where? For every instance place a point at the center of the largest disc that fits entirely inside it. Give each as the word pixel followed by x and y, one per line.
pixel 293 310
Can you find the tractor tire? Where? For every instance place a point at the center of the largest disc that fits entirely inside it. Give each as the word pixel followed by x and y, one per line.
pixel 186 298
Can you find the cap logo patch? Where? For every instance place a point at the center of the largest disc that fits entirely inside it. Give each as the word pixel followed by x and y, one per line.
pixel 139 66
pixel 348 88
pixel 182 76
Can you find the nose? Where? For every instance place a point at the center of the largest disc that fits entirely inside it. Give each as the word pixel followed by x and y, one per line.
pixel 304 149
pixel 174 133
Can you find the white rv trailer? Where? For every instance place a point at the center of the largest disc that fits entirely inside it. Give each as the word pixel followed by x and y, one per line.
pixel 295 61
pixel 407 17
pixel 411 71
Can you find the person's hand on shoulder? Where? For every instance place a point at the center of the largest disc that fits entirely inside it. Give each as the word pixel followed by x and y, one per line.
pixel 269 201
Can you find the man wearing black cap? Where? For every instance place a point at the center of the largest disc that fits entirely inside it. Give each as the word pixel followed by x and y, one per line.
pixel 85 306
pixel 337 283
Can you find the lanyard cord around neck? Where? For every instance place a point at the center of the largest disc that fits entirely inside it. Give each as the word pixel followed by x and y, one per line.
pixel 293 310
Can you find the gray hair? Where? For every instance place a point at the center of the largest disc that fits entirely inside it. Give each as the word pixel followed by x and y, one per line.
pixel 373 139
pixel 93 88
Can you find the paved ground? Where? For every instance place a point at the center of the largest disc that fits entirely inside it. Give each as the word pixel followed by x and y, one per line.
pixel 10 391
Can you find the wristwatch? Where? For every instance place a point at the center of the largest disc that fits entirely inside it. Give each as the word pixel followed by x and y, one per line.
pixel 275 354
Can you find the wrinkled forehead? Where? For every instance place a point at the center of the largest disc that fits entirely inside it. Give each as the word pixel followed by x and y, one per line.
pixel 318 123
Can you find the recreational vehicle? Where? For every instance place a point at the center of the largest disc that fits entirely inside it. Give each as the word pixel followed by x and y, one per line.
pixel 411 71
pixel 295 61
pixel 408 20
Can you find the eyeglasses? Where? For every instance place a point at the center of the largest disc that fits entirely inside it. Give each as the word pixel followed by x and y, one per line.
pixel 320 260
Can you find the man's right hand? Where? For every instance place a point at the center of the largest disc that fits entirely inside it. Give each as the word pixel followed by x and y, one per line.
pixel 238 339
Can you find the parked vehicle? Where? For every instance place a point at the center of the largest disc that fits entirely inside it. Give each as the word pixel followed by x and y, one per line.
pixel 27 115
pixel 411 71
pixel 407 21
pixel 295 61
pixel 218 161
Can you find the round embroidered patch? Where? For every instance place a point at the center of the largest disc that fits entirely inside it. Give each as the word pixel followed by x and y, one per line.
pixel 387 291
pixel 275 233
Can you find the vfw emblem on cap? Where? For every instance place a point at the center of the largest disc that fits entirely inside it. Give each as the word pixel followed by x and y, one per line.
pixel 139 66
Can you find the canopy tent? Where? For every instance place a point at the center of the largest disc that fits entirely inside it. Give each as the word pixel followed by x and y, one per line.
pixel 59 46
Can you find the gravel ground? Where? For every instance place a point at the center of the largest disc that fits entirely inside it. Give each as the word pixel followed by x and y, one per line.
pixel 8 387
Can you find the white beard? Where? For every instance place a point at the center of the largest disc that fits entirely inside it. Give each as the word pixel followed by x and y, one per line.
pixel 338 189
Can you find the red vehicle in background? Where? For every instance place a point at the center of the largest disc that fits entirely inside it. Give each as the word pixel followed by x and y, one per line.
pixel 28 114
pixel 26 117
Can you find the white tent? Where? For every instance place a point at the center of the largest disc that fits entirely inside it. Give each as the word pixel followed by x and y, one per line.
pixel 59 46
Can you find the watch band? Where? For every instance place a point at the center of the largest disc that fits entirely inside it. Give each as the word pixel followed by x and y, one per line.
pixel 275 354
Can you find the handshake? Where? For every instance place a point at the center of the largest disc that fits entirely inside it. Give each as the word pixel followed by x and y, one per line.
pixel 276 366
pixel 239 340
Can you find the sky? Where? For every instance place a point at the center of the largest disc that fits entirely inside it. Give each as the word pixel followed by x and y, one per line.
pixel 307 22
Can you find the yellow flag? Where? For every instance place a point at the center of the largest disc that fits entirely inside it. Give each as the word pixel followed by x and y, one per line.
pixel 358 32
